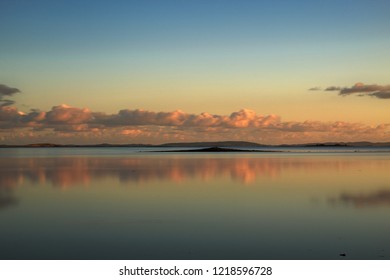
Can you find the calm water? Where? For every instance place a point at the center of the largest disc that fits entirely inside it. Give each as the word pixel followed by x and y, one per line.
pixel 118 203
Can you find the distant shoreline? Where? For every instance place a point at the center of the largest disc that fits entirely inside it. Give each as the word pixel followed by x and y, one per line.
pixel 219 144
pixel 217 150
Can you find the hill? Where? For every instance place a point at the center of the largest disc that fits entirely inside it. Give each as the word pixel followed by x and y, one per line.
pixel 213 144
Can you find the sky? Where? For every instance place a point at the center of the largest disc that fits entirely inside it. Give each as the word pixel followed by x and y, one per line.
pixel 151 72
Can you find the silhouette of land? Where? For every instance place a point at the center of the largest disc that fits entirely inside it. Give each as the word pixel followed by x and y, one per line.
pixel 215 150
pixel 221 144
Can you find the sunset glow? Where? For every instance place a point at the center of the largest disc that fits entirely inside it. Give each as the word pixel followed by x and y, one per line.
pixel 89 72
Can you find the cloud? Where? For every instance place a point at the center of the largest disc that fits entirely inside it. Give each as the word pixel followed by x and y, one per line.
pixel 7 91
pixel 64 114
pixel 131 132
pixel 67 124
pixel 378 91
pixel 333 88
pixel 362 88
pixel 6 102
pixel 381 94
pixel 240 119
pixel 9 117
pixel 314 88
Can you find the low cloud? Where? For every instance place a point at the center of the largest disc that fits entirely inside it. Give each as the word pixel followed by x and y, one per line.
pixel 67 124
pixel 241 119
pixel 64 114
pixel 7 91
pixel 360 89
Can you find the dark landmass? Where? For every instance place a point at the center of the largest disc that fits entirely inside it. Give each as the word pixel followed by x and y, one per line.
pixel 221 144
pixel 214 150
pixel 342 144
pixel 43 145
pixel 214 144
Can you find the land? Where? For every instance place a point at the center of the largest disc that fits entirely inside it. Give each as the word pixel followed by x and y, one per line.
pixel 215 150
pixel 219 144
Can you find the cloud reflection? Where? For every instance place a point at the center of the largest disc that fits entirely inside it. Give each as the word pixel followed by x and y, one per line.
pixel 81 171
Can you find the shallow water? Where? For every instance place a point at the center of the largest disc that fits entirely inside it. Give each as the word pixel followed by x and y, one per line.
pixel 117 203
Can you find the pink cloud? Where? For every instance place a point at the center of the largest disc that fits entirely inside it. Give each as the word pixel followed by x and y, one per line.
pixel 131 132
pixel 68 115
pixel 64 123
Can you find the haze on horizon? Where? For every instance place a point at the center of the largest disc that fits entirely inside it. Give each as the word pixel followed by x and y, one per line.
pixel 270 72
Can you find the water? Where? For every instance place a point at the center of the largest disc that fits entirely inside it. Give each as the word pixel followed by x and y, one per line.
pixel 120 203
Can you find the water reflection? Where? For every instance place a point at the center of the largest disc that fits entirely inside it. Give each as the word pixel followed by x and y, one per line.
pixel 75 171
pixel 6 197
pixel 195 207
pixel 380 197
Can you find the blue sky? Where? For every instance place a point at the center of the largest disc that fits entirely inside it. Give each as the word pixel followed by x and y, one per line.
pixel 66 26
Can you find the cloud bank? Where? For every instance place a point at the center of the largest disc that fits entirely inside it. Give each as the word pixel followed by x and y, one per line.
pixel 66 124
pixel 378 91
